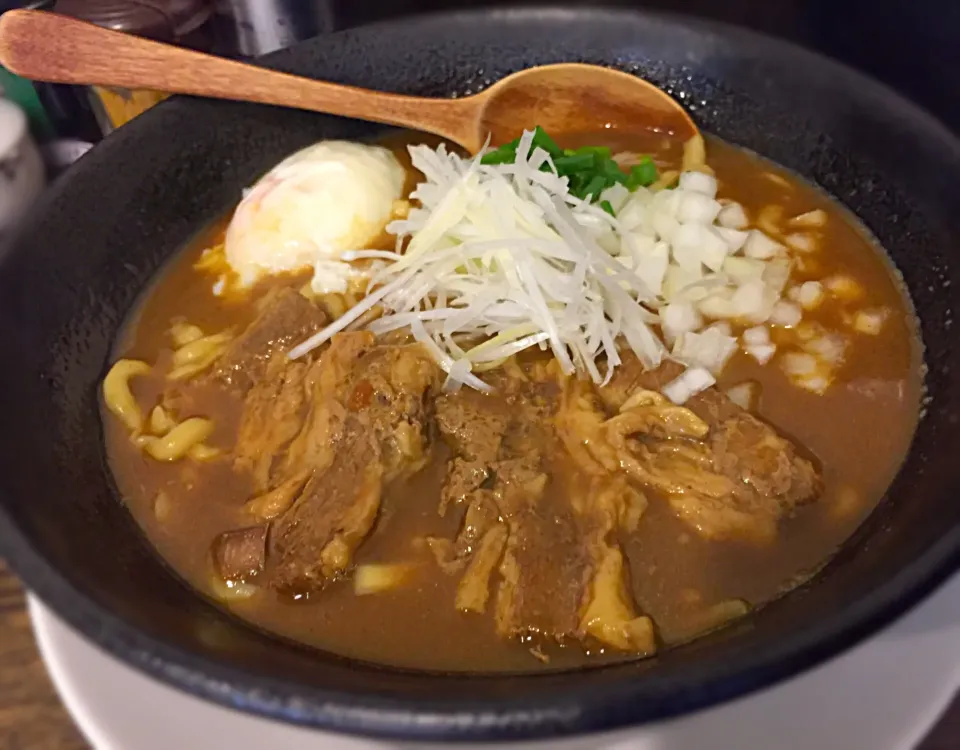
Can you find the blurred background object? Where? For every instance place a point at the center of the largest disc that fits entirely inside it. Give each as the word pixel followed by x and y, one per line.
pixel 21 168
pixel 911 45
pixel 55 111
pixel 185 23
pixel 247 28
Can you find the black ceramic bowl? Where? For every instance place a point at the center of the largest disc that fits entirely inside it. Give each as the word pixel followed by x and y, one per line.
pixel 105 229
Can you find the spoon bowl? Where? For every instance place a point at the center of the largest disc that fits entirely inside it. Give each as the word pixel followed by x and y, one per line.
pixel 574 97
pixel 568 97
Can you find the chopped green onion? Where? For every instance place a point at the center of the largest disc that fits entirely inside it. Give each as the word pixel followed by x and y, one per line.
pixel 502 155
pixel 601 151
pixel 578 185
pixel 589 169
pixel 544 141
pixel 611 170
pixel 595 186
pixel 574 163
pixel 642 174
pixel 605 205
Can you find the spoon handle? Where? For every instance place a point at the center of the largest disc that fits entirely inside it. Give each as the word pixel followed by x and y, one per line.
pixel 59 49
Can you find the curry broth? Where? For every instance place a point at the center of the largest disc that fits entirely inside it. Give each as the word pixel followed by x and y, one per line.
pixel 859 430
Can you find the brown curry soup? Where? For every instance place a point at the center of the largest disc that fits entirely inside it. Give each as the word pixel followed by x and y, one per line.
pixel 856 433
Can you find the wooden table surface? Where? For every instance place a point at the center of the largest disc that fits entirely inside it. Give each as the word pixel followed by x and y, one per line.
pixel 32 717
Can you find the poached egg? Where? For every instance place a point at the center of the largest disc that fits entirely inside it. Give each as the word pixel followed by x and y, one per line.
pixel 317 203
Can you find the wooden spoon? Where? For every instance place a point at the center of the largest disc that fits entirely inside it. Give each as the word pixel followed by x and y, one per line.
pixel 566 97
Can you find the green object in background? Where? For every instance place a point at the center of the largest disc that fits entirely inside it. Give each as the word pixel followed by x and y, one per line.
pixel 21 92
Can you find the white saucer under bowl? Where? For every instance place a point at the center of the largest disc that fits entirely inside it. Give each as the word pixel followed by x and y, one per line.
pixel 883 695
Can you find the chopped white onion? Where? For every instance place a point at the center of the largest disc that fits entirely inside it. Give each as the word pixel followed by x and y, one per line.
pixel 745 395
pixel 732 216
pixel 697 208
pixel 870 322
pixel 652 266
pixel 786 314
pixel 714 250
pixel 810 294
pixel 844 287
pixel 748 299
pixel 699 182
pixel 665 226
pixel 759 245
pixel 776 274
pixel 756 336
pixel 799 363
pixel 678 318
pixel 710 349
pixel 687 241
pixel 616 195
pixel 722 327
pixel 717 305
pixel 633 214
pixel 734 238
pixel 678 280
pixel 743 268
pixel 666 202
pixel 763 353
pixel 815 383
pixel 829 347
pixel 801 242
pixel 695 245
pixel 810 219
pixel 692 381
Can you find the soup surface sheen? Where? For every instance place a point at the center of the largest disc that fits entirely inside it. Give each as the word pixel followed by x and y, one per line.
pixel 857 432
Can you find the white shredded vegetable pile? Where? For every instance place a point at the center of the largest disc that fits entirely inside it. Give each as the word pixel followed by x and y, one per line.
pixel 501 258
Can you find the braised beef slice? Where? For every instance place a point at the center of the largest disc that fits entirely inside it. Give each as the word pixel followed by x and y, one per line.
pixel 292 421
pixel 474 588
pixel 313 541
pixel 751 451
pixel 473 423
pixel 240 553
pixel 546 565
pixel 632 376
pixel 737 481
pixel 481 515
pixel 563 575
pixel 464 478
pixel 497 473
pixel 608 612
pixel 392 395
pixel 369 425
pixel 286 318
pixel 273 412
pixel 327 382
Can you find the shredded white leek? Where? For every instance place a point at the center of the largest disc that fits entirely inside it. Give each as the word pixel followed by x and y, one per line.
pixel 496 259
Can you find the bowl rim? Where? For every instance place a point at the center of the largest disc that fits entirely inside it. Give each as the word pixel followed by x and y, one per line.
pixel 549 715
